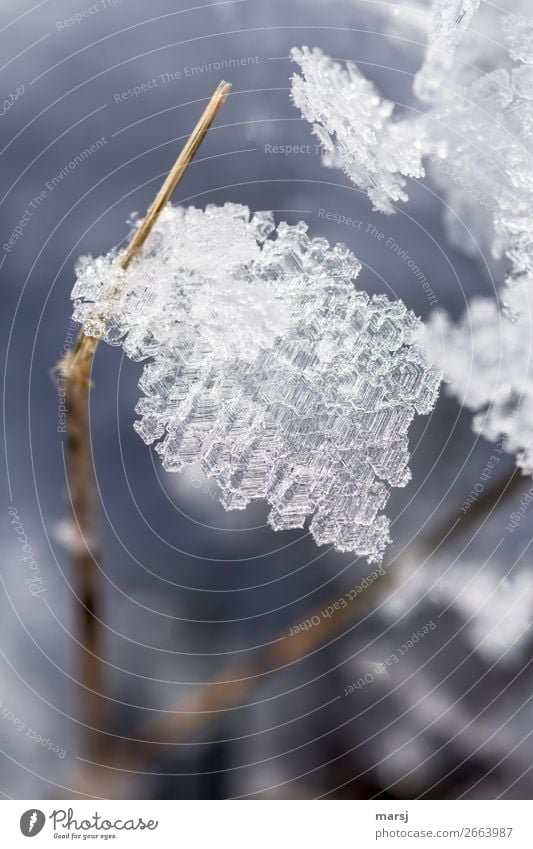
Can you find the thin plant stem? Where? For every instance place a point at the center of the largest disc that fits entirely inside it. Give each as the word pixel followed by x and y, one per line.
pixel 75 370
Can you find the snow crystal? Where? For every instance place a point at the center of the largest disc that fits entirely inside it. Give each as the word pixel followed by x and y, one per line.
pixel 449 21
pixel 485 133
pixel 267 367
pixel 519 36
pixel 485 167
pixel 356 128
pixel 487 362
pixel 477 136
pixel 477 139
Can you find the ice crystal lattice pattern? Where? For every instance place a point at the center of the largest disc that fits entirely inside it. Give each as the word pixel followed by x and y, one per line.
pixel 268 367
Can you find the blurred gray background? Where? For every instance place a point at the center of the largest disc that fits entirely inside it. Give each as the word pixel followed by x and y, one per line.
pixel 190 593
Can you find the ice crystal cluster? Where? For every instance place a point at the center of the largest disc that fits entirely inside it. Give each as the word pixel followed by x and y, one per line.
pixel 355 127
pixel 486 359
pixel 476 136
pixel 476 140
pixel 486 174
pixel 448 23
pixel 267 366
pixel 485 167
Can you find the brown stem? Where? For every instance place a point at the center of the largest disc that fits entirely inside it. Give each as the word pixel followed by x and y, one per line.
pixel 75 370
pixel 82 496
pixel 178 170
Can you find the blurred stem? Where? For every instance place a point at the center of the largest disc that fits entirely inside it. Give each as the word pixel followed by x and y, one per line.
pixel 491 498
pixel 228 690
pixel 75 369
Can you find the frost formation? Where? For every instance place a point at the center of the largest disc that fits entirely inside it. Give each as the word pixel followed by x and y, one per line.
pixel 356 128
pixel 267 366
pixel 486 359
pixel 486 174
pixel 476 136
pixel 449 22
pixel 476 140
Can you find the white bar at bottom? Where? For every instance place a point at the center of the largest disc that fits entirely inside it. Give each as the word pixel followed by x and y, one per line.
pixel 267 824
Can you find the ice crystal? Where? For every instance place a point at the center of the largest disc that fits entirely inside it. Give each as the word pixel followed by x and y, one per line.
pixel 487 361
pixel 477 137
pixel 519 36
pixel 485 136
pixel 356 128
pixel 477 141
pixel 449 21
pixel 485 164
pixel 267 367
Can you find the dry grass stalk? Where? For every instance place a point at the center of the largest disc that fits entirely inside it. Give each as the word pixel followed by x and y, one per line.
pixel 75 369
